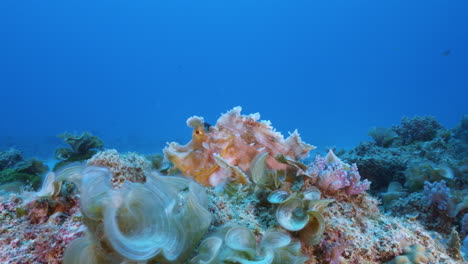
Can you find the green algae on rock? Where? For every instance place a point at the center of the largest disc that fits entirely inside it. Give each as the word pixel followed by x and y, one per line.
pixel 81 147
pixel 28 172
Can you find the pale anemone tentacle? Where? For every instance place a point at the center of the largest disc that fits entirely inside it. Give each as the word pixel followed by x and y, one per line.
pixel 242 240
pixel 314 230
pixel 81 250
pixel 134 225
pixel 161 220
pixel 279 196
pixel 94 188
pixel 291 215
pixel 260 173
pixel 237 244
pixel 208 251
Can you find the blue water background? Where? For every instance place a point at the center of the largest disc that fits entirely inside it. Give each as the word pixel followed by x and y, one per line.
pixel 132 72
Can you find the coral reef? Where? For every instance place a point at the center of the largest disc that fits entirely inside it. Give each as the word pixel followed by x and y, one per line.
pixel 418 128
pixel 246 196
pixel 354 217
pixel 422 151
pixel 414 207
pixel 81 147
pixel 372 236
pixel 430 162
pixel 354 230
pixel 378 164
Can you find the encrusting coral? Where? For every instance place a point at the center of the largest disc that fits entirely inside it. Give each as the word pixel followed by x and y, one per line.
pixel 129 166
pixel 413 254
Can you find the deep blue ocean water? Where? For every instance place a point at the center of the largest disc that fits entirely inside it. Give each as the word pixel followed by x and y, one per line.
pixel 132 72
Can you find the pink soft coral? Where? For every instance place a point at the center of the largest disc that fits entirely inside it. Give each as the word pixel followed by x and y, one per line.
pixel 331 175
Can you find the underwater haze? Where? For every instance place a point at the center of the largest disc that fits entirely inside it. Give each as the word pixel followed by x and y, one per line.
pixel 132 72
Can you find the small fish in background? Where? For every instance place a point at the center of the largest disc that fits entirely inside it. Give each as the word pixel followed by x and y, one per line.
pixel 447 52
pixel 180 68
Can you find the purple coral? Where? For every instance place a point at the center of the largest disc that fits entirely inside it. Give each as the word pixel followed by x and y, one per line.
pixel 437 194
pixel 334 176
pixel 355 185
